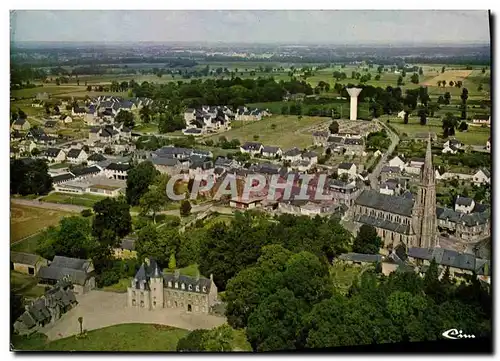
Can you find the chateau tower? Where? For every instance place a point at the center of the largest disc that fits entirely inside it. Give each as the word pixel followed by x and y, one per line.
pixel 424 209
pixel 156 288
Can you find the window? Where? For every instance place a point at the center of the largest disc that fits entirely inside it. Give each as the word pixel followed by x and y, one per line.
pixel 154 289
pixel 142 303
pixel 169 283
pixel 176 285
pixel 133 293
pixel 197 288
pixel 142 293
pixel 133 302
pixel 182 286
pixel 154 303
pixel 31 270
pixel 190 287
pixel 204 289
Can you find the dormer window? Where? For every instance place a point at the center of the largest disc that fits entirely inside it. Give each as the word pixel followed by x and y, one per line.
pixel 170 284
pixel 197 288
pixel 190 287
pixel 204 289
pixel 176 285
pixel 182 286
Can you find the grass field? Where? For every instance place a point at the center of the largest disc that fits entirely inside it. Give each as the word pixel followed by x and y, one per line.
pixel 25 221
pixel 85 200
pixel 126 337
pixel 289 131
pixel 217 219
pixel 191 270
pixel 25 285
pixel 344 275
pixel 28 245
pixel 474 135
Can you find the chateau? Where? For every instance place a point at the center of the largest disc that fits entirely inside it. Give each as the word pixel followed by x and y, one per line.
pixel 151 289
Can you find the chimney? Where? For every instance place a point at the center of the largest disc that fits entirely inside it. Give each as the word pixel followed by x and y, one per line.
pixel 176 274
pixel 211 277
pixel 197 276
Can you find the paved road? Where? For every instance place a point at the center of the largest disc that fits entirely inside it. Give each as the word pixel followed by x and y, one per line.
pixel 373 177
pixel 101 309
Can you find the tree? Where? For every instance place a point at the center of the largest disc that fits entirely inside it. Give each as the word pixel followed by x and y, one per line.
pixel 80 321
pixel 139 179
pixel 377 77
pixel 406 117
pixel 449 123
pixel 463 126
pixel 414 78
pixel 185 209
pixel 443 69
pixel 192 342
pixel 367 241
pixel 22 114
pixel 35 152
pixel 422 113
pixel 145 114
pixel 152 201
pixel 112 222
pixel 420 71
pixel 403 73
pixel 171 261
pixel 125 117
pixel 400 80
pixel 464 96
pixel 30 178
pixel 89 88
pixel 274 324
pixel 333 127
pixel 447 98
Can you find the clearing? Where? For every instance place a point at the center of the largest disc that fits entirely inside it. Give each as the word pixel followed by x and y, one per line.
pixel 281 130
pixel 85 200
pixel 449 75
pixel 25 221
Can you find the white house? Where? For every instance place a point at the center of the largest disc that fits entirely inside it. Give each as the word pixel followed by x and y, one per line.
pixel 66 119
pixel 397 162
pixel 310 157
pixel 482 176
pixel 414 166
pixel 401 114
pixel 449 149
pixel 76 156
pixel 488 145
pixel 482 120
pixel 271 152
pixel 347 168
pixel 453 143
pixel 76 111
pixel 54 155
pixel 117 171
pixel 292 155
pixel 251 148
pixel 464 204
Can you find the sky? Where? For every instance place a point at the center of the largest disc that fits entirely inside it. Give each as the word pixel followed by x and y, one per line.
pixel 251 26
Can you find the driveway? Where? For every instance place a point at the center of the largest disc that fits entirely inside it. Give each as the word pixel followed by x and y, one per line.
pixel 101 309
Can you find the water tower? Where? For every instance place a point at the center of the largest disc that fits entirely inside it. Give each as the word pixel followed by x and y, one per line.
pixel 354 92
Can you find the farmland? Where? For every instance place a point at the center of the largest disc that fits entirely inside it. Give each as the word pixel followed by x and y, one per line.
pixel 283 131
pixel 25 221
pixel 85 200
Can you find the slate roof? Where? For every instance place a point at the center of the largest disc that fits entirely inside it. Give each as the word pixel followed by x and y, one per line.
pixel 353 141
pixel 24 258
pixel 79 172
pixel 486 172
pixel 69 262
pixel 309 155
pixel 20 121
pixel 169 162
pixel 345 166
pixel 62 178
pixel 464 201
pixel 270 149
pixel 361 257
pixel 470 219
pixel 58 273
pixel 389 169
pixel 74 153
pixel 50 123
pixel 147 270
pixel 292 152
pixel 173 151
pixel 121 167
pixel 321 134
pixel 446 257
pixel 392 204
pixel 193 131
pixel 251 146
pixel 52 152
pixel 382 223
pixel 128 243
pixel 96 157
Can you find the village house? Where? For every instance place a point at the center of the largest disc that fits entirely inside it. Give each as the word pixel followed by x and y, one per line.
pixel 152 289
pixel 468 227
pixel 320 138
pixel 344 192
pixel 397 162
pixel 292 155
pixel 250 114
pixel 26 263
pixel 488 144
pixel 271 152
pixel 347 168
pixel 126 249
pixel 65 119
pixel 170 166
pixel 54 155
pixel 483 119
pixel 26 146
pixel 354 146
pixel 310 157
pixel 37 103
pixel 226 163
pixel 47 309
pixel 77 111
pixel 95 158
pixel 79 271
pixel 464 204
pixel 117 171
pixel 21 125
pixel 482 176
pixel 414 166
pixel 459 264
pixel 251 148
pixel 76 156
pixel 50 124
pixel 201 167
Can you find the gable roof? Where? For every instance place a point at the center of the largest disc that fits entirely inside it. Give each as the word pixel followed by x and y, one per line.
pixel 346 165
pixel 52 152
pixel 292 152
pixel 85 171
pixel 24 258
pixel 122 167
pixel 251 146
pixel 464 201
pixel 74 153
pixel 62 177
pixel 392 204
pixel 270 149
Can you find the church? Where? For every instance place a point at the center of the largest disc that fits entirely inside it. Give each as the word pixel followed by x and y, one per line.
pixel 152 289
pixel 402 219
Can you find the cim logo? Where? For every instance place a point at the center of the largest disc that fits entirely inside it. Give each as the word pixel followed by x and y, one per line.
pixel 455 334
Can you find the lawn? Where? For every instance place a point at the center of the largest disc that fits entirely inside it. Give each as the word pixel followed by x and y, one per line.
pixel 191 270
pixel 51 89
pixel 344 275
pixel 217 218
pixel 85 200
pixel 121 286
pixel 474 136
pixel 287 132
pixel 125 337
pixel 146 128
pixel 28 245
pixel 25 221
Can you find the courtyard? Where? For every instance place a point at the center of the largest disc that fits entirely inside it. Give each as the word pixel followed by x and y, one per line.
pixel 101 309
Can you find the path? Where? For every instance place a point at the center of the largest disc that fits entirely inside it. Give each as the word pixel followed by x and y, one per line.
pixel 101 309
pixel 47 205
pixel 373 177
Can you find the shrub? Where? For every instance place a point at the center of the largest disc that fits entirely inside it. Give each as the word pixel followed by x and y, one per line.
pixel 86 213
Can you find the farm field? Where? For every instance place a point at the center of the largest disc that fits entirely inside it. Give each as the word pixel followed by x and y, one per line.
pixel 474 136
pixel 85 200
pixel 25 221
pixel 126 337
pixel 289 131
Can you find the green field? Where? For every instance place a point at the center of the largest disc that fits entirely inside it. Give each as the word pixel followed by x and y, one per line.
pixel 25 285
pixel 126 337
pixel 474 135
pixel 191 270
pixel 28 245
pixel 289 131
pixel 344 275
pixel 85 200
pixel 25 221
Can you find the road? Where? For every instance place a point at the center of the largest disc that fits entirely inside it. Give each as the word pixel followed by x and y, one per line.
pixel 373 177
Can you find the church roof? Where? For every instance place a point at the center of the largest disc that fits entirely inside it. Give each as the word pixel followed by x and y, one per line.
pixel 382 223
pixel 392 204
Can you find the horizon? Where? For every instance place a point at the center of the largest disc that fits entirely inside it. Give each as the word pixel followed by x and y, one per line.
pixel 331 27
